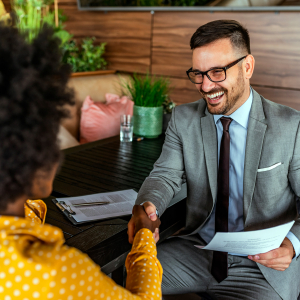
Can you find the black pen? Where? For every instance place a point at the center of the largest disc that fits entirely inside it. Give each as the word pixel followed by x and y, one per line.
pixel 90 203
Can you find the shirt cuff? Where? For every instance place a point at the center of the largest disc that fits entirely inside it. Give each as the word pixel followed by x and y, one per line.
pixel 295 242
pixel 156 210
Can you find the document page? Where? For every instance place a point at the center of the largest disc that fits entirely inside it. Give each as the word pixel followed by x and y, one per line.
pixel 249 242
pixel 119 204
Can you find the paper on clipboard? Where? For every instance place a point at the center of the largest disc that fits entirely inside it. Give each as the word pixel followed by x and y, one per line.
pixel 120 204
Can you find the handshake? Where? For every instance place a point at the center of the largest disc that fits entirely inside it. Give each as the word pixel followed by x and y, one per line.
pixel 143 216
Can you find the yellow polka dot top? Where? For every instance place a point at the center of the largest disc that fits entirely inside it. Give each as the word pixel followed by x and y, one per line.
pixel 35 264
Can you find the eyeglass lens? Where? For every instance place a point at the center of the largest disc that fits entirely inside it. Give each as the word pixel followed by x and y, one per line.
pixel 214 75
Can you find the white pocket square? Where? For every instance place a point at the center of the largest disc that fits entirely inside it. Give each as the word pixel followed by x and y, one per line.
pixel 269 168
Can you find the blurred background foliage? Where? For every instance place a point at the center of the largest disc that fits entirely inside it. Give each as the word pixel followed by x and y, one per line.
pixel 31 15
pixel 85 57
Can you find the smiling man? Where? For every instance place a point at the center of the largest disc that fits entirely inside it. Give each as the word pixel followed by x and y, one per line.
pixel 240 156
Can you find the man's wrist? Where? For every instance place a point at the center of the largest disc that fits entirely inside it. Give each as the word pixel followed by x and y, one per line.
pixel 295 244
pixel 153 205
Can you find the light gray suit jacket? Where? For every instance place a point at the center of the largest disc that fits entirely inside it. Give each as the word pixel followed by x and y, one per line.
pixel 190 153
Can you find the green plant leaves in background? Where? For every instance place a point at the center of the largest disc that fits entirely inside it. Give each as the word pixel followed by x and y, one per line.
pixel 29 17
pixel 86 57
pixel 33 14
pixel 147 91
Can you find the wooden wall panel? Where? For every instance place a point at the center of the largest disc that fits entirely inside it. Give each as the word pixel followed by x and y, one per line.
pixel 286 97
pixel 275 43
pixel 135 44
pixel 128 35
pixel 183 91
pixel 290 3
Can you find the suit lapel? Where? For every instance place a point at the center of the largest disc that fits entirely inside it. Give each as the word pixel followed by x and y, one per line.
pixel 210 144
pixel 255 136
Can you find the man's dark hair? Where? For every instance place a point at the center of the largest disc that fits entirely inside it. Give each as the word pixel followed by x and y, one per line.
pixel 33 93
pixel 221 29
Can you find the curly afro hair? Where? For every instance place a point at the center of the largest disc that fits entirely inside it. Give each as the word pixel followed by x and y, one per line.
pixel 33 94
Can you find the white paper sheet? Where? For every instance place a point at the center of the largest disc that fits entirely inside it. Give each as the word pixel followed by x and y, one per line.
pixel 249 242
pixel 120 204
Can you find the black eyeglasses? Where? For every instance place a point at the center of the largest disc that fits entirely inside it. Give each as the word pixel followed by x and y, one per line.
pixel 214 74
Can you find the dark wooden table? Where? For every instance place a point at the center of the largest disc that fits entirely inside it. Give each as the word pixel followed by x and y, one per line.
pixel 106 166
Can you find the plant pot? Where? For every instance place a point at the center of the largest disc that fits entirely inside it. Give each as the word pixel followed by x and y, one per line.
pixel 147 121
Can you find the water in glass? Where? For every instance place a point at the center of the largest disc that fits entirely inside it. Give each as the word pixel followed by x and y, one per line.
pixel 126 128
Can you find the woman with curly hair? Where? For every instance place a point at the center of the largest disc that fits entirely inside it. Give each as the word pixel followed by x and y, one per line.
pixel 35 263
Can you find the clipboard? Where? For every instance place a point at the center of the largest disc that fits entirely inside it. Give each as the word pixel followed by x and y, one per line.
pixel 118 204
pixel 64 208
pixel 66 212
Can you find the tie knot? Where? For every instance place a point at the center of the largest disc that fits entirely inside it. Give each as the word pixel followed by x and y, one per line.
pixel 225 122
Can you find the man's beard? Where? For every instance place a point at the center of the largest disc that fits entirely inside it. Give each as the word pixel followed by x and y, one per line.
pixel 235 94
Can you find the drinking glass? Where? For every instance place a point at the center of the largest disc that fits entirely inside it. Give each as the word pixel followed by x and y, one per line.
pixel 126 128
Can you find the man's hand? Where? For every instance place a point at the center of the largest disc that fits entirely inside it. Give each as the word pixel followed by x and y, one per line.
pixel 150 210
pixel 278 259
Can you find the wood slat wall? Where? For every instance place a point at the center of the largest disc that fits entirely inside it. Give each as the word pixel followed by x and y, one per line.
pixel 275 44
pixel 183 91
pixel 128 35
pixel 291 3
pixel 141 41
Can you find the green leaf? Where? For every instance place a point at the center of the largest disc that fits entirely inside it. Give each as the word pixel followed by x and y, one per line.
pixel 147 91
pixel 89 57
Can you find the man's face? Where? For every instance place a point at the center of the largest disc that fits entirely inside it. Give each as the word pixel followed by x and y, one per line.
pixel 222 98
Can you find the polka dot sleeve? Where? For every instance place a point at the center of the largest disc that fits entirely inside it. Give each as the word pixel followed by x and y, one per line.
pixel 76 276
pixel 36 264
pixel 144 272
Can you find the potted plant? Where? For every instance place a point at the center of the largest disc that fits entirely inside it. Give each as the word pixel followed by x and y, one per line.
pixel 148 94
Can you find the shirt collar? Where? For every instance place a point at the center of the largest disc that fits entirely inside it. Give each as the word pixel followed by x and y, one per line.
pixel 241 115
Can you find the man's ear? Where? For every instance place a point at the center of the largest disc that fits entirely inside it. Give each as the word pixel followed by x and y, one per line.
pixel 249 66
